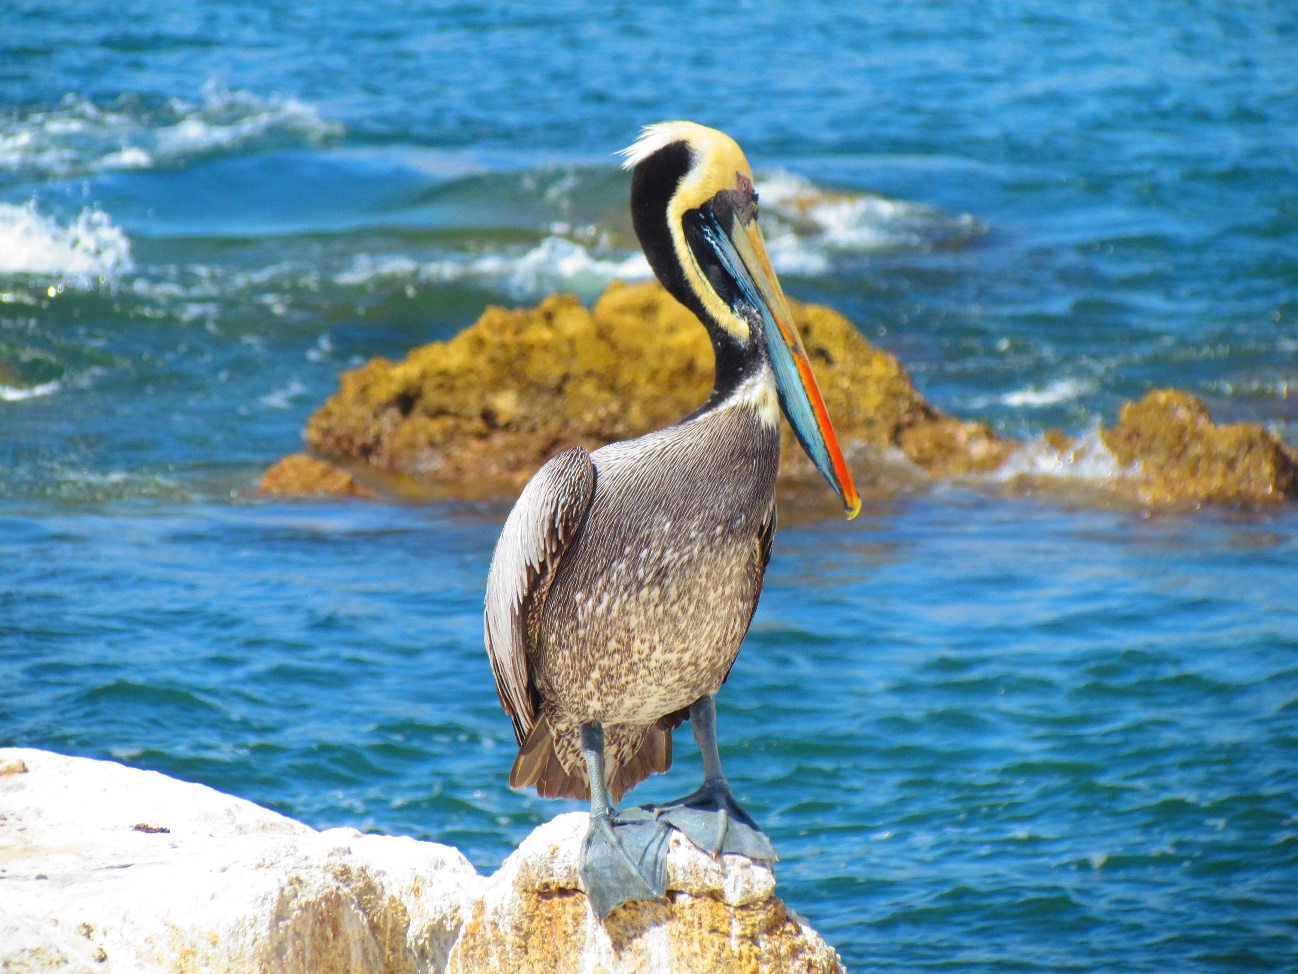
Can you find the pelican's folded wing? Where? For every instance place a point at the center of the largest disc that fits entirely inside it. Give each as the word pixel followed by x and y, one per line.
pixel 539 529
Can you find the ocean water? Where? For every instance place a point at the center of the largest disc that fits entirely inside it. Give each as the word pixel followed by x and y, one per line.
pixel 985 732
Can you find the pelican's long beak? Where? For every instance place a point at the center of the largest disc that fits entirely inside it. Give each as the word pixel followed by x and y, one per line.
pixel 741 250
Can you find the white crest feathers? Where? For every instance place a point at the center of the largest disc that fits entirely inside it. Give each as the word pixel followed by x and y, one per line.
pixel 658 136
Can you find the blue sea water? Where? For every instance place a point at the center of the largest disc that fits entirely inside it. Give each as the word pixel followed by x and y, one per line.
pixel 985 732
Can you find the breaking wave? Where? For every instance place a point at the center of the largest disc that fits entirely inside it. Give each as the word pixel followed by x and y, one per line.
pixel 1086 458
pixel 87 249
pixel 19 393
pixel 807 226
pixel 807 229
pixel 1060 390
pixel 79 136
pixel 1053 393
pixel 555 262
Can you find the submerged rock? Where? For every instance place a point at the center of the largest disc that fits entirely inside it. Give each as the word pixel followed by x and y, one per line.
pixel 300 475
pixel 106 868
pixel 477 415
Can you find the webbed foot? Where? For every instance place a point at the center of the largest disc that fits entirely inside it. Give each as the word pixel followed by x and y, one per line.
pixel 716 823
pixel 624 858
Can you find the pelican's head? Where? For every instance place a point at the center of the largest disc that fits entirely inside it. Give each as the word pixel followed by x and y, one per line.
pixel 694 210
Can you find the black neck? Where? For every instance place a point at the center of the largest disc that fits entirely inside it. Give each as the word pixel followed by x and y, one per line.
pixel 653 183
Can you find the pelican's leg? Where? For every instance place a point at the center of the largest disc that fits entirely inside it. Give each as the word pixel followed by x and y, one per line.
pixel 623 857
pixel 710 817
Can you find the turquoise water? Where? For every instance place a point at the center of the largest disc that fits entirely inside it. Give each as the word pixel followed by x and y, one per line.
pixel 985 732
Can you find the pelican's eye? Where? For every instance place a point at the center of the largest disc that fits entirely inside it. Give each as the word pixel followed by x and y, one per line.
pixel 741 201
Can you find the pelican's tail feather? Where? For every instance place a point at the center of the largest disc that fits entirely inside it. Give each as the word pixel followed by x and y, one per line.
pixel 631 756
pixel 538 765
pixel 652 755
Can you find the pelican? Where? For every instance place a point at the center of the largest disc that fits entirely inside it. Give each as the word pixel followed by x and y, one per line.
pixel 625 579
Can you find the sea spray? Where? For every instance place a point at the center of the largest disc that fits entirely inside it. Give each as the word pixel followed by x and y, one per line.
pixel 87 249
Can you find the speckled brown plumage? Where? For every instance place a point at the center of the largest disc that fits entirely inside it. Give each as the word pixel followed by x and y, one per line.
pixel 635 606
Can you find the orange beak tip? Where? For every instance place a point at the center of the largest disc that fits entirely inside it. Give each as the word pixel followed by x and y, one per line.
pixel 853 506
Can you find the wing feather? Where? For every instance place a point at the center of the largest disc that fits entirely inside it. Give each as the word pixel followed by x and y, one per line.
pixel 537 532
pixel 765 540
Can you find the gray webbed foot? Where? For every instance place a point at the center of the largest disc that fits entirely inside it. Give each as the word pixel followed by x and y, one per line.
pixel 716 823
pixel 624 858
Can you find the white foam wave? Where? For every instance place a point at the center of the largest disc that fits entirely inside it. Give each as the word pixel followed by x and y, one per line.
pixel 365 269
pixel 228 118
pixel 78 484
pixel 1087 458
pixel 1281 387
pixel 196 292
pixel 19 393
pixel 806 228
pixel 285 397
pixel 1060 390
pixel 554 263
pixel 130 157
pixel 807 225
pixel 79 136
pixel 88 248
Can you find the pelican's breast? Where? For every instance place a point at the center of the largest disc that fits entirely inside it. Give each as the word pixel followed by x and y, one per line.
pixel 650 604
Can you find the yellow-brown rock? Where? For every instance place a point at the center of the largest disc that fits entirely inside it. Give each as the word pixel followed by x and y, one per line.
pixel 722 916
pixel 1184 457
pixel 300 475
pixel 478 414
pixel 948 447
pixel 484 410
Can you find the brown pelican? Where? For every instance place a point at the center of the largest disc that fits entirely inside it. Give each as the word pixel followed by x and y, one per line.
pixel 625 579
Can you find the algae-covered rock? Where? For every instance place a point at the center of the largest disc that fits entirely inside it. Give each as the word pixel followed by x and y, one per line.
pixel 1184 457
pixel 949 447
pixel 488 407
pixel 300 475
pixel 492 404
pixel 480 413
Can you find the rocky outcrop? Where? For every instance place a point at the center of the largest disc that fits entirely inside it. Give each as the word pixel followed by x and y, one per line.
pixel 300 475
pixel 481 412
pixel 720 916
pixel 478 414
pixel 106 868
pixel 1184 457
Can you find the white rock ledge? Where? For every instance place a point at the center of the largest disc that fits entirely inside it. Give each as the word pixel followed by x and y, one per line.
pixel 105 868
